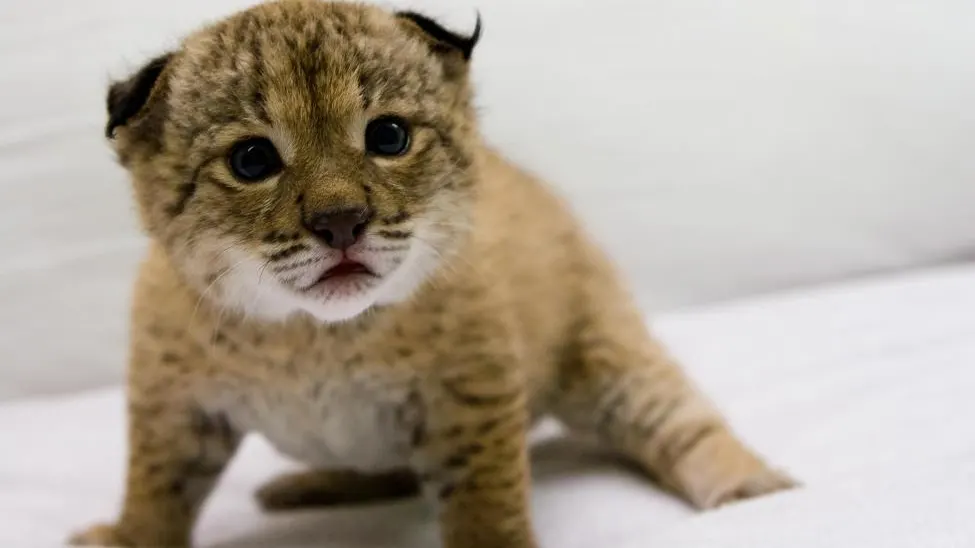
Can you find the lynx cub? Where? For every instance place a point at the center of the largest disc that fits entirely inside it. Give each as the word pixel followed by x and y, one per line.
pixel 342 265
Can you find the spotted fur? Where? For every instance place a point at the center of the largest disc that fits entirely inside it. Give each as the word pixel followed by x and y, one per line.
pixel 489 308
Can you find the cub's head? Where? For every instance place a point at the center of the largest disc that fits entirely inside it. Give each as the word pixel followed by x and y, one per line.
pixel 304 155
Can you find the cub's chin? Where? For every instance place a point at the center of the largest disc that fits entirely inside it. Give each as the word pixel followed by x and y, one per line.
pixel 329 290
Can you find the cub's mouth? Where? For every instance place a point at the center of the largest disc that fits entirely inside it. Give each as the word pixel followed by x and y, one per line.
pixel 346 276
pixel 345 268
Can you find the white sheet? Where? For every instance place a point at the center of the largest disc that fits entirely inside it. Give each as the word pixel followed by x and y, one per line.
pixel 863 391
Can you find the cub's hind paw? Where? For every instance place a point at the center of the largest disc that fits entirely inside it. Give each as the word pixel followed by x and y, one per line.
pixel 760 483
pixel 322 488
pixel 722 471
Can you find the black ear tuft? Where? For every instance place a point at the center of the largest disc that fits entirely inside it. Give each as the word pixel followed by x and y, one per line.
pixel 464 44
pixel 126 98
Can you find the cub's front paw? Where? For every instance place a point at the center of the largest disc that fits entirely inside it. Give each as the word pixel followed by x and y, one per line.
pixel 99 535
pixel 721 470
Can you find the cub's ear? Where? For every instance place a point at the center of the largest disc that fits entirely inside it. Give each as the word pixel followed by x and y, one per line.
pixel 440 39
pixel 127 98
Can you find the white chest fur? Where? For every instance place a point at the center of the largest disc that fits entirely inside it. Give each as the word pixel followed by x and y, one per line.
pixel 362 422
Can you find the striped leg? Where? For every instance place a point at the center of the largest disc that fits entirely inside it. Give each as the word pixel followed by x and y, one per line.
pixel 624 389
pixel 474 455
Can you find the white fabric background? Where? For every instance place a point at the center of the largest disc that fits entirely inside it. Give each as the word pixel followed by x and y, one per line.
pixel 717 148
pixel 862 391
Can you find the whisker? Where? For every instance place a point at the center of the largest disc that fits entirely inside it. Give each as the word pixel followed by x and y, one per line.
pixel 224 250
pixel 215 334
pixel 260 275
pixel 206 290
pixel 450 262
pixel 258 290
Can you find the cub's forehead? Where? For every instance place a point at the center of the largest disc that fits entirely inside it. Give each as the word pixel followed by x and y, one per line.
pixel 302 59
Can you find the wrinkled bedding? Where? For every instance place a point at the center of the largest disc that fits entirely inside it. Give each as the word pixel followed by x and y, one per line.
pixel 864 391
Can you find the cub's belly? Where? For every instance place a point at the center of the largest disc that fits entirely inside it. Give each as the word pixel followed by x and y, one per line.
pixel 362 425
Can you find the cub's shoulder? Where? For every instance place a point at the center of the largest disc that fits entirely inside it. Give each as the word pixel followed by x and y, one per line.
pixel 522 224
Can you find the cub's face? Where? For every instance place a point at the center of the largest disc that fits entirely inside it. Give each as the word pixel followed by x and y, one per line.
pixel 303 155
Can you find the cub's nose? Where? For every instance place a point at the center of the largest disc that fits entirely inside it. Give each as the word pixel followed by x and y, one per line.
pixel 339 228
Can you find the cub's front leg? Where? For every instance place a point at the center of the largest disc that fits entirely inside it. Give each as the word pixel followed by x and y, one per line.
pixel 176 453
pixel 475 458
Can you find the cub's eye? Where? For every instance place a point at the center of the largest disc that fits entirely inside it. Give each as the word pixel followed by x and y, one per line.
pixel 388 136
pixel 253 160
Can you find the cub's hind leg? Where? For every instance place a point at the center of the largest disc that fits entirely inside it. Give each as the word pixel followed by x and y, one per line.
pixel 623 388
pixel 322 488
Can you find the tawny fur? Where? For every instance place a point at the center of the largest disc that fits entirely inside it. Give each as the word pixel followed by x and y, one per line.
pixel 489 310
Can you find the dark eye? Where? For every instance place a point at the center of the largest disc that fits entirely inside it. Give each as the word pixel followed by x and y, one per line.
pixel 387 136
pixel 254 160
